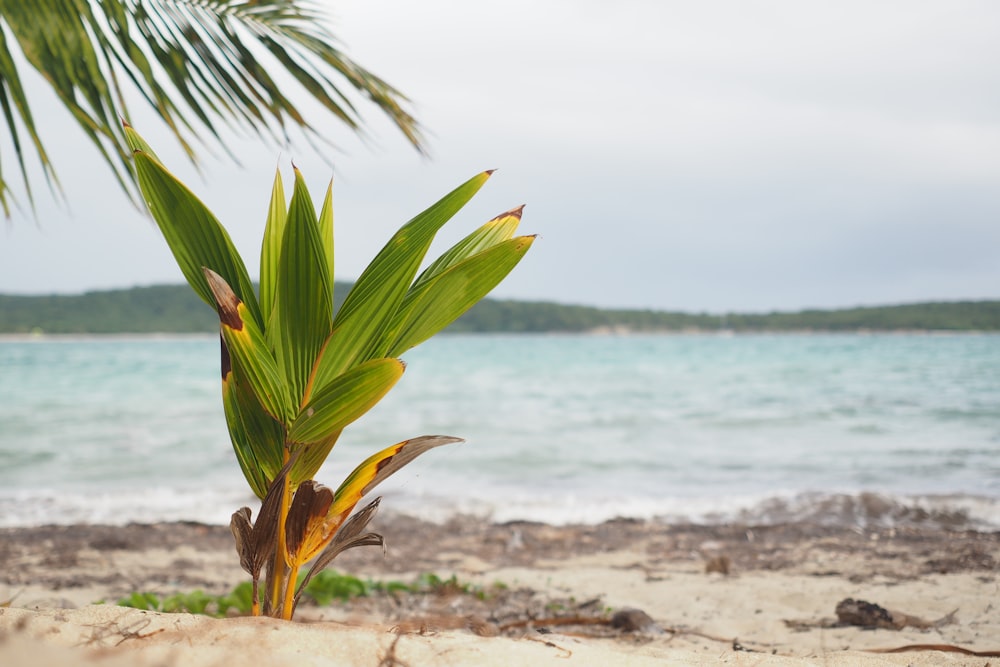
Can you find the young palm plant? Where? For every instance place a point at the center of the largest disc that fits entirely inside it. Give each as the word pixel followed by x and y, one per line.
pixel 295 373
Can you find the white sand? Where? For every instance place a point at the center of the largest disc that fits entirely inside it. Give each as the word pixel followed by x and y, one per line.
pixel 750 607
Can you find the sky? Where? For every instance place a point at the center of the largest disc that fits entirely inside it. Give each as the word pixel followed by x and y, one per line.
pixel 720 156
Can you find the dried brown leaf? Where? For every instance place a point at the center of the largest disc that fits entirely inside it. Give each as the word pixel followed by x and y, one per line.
pixel 348 537
pixel 242 529
pixel 306 515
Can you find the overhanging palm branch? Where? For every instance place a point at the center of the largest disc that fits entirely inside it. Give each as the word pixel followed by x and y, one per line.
pixel 195 62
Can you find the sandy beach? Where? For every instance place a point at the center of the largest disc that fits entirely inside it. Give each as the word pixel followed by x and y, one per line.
pixel 528 594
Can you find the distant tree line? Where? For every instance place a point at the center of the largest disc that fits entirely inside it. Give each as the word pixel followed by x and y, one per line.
pixel 176 309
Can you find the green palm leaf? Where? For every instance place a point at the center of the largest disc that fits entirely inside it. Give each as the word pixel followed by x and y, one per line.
pixel 12 98
pixel 495 231
pixel 270 248
pixel 309 460
pixel 326 233
pixel 345 399
pixel 258 439
pixel 375 297
pixel 198 64
pixel 250 357
pixel 54 38
pixel 303 310
pixel 417 300
pixel 442 299
pixel 195 236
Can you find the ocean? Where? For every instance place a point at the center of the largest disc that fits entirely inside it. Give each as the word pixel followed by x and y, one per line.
pixel 848 429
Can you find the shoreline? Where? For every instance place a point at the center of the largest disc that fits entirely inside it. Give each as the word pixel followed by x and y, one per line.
pixel 596 332
pixel 857 510
pixel 730 593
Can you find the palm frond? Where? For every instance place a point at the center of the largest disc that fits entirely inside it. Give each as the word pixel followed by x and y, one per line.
pixel 200 64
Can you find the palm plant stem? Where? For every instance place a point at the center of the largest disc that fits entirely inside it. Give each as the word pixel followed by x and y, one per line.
pixel 280 569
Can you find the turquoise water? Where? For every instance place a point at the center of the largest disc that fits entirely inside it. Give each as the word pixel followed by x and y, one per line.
pixel 558 428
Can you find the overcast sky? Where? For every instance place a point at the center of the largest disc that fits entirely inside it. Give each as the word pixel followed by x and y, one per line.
pixel 719 156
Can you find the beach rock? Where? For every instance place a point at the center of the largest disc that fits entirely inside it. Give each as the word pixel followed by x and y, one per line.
pixel 864 614
pixel 870 615
pixel 635 620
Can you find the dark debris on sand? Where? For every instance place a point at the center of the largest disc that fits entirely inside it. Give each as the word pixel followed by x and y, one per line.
pixel 420 546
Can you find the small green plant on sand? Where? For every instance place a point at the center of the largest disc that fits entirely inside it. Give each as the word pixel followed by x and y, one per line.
pixel 195 602
pixel 295 373
pixel 324 588
pixel 330 585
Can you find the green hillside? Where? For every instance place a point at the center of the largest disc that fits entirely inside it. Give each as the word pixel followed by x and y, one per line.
pixel 176 309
